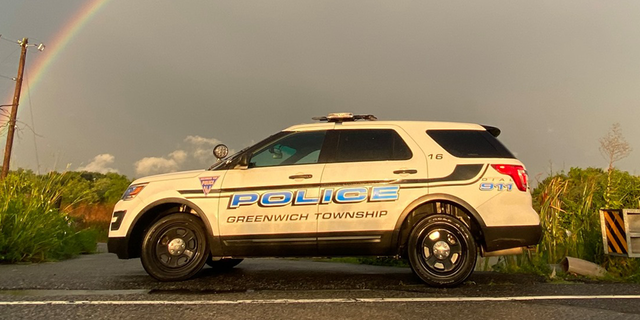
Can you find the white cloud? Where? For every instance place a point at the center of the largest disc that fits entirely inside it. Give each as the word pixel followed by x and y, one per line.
pixel 178 156
pixel 202 148
pixel 155 165
pixel 100 163
pixel 195 152
pixel 198 140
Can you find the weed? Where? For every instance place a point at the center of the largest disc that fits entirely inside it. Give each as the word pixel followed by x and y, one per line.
pixel 569 214
pixel 34 226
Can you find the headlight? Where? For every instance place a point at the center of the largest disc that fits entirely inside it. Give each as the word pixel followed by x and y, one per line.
pixel 133 191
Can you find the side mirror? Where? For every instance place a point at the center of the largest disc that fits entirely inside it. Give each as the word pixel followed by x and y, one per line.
pixel 220 151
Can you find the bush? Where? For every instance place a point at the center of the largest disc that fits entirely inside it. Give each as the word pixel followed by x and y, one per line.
pixel 91 197
pixel 33 225
pixel 569 205
pixel 94 216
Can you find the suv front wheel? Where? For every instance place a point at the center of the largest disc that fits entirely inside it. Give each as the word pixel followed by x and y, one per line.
pixel 175 247
pixel 442 251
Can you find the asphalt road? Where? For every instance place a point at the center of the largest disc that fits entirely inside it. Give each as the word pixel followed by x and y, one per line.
pixel 100 286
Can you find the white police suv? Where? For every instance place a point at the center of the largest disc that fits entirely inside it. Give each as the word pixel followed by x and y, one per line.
pixel 436 193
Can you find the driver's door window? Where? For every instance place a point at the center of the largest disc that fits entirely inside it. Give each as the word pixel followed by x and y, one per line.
pixel 296 148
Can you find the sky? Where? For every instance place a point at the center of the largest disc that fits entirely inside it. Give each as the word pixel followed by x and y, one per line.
pixel 150 86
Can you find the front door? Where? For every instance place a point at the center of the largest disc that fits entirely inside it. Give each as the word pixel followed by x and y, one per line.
pixel 268 209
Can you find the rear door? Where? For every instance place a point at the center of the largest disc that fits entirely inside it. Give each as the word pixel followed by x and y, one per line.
pixel 364 177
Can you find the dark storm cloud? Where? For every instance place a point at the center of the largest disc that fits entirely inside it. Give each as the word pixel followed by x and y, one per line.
pixel 143 75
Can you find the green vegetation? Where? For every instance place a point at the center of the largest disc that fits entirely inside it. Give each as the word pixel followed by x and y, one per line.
pixel 37 221
pixel 91 197
pixel 569 205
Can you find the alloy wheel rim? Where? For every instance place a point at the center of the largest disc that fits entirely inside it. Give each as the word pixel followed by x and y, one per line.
pixel 177 247
pixel 441 251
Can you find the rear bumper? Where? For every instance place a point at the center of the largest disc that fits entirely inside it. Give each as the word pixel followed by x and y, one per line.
pixel 119 246
pixel 500 238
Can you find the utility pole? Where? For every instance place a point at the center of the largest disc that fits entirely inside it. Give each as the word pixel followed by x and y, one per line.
pixel 14 110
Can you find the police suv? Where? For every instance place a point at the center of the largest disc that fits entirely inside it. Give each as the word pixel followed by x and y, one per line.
pixel 436 193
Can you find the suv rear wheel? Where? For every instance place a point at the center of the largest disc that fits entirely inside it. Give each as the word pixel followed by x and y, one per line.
pixel 175 247
pixel 442 251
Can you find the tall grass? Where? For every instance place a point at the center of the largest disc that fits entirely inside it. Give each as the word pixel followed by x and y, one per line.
pixel 571 225
pixel 569 205
pixel 33 226
pixel 553 235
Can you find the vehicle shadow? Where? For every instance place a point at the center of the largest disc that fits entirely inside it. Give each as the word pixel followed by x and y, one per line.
pixel 306 275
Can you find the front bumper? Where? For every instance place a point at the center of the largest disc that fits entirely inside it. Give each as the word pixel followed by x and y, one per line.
pixel 119 246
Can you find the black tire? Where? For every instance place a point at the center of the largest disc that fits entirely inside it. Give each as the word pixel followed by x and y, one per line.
pixel 175 248
pixel 442 251
pixel 223 264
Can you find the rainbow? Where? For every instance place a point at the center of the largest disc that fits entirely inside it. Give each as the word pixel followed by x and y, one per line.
pixel 56 46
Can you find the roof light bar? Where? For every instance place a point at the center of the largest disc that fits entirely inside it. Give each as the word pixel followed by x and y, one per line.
pixel 345 116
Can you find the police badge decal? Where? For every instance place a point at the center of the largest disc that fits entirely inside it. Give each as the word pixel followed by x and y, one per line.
pixel 207 183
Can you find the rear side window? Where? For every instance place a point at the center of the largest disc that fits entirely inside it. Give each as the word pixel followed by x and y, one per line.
pixel 470 143
pixel 371 145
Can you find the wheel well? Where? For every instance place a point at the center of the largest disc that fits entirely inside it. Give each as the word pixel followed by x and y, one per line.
pixel 147 219
pixel 437 207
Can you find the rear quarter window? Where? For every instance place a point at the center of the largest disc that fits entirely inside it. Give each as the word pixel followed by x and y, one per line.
pixel 470 143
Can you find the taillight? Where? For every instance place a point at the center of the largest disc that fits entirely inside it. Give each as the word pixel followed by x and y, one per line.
pixel 517 173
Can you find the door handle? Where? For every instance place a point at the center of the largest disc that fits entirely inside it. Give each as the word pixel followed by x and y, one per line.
pixel 301 176
pixel 406 171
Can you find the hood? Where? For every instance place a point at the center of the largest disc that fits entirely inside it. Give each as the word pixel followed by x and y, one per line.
pixel 169 176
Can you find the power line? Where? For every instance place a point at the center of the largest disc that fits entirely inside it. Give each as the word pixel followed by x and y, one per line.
pixel 33 126
pixel 9 40
pixel 10 55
